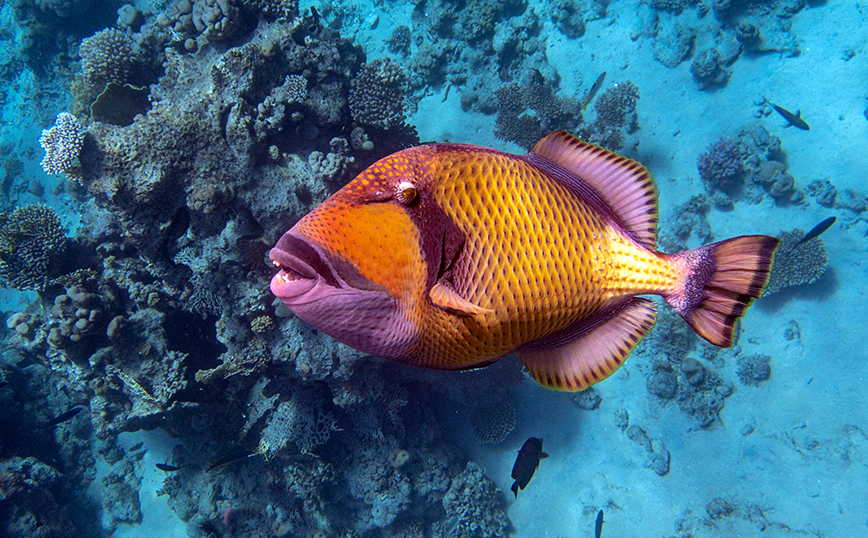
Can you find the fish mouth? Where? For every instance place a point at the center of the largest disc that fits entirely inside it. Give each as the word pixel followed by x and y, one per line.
pixel 305 273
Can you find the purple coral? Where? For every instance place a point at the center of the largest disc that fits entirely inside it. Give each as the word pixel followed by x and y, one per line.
pixel 721 167
pixel 61 143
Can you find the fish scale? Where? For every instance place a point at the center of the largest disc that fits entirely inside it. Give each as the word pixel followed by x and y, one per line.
pixel 559 245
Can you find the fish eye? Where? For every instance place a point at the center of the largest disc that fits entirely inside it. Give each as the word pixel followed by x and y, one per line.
pixel 406 193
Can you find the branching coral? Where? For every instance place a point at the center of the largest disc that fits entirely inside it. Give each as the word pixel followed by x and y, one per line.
pixel 530 110
pixel 32 243
pixel 616 108
pixel 796 263
pixel 377 95
pixel 300 421
pixel 720 166
pixel 61 143
pixel 106 56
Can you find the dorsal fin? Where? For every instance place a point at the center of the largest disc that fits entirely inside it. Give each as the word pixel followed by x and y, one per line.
pixel 625 185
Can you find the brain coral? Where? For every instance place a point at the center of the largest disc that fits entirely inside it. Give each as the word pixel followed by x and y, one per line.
pixel 494 423
pixel 61 144
pixel 377 95
pixel 32 240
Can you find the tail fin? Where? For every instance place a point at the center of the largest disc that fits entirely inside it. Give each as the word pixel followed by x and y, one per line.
pixel 723 279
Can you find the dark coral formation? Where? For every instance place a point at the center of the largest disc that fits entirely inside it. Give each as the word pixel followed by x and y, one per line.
pixel 493 423
pixel 720 166
pixel 32 244
pixel 748 166
pixel 377 95
pixel 699 391
pixel 754 369
pixel 529 110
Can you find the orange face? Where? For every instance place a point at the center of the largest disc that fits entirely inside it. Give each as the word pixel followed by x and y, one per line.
pixel 355 266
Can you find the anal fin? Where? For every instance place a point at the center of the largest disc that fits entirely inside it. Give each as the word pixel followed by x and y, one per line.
pixel 595 354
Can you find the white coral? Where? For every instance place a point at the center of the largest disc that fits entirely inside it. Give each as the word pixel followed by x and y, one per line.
pixel 61 143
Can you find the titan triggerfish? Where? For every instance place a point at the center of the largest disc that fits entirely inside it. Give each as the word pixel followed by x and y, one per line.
pixel 452 256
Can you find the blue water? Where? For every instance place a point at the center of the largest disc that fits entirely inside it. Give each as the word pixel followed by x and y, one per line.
pixel 135 282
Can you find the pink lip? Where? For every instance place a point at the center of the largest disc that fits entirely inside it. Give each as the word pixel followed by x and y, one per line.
pixel 305 274
pixel 289 285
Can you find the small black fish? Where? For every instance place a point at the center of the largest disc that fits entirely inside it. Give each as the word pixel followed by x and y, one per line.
pixel 526 463
pixel 593 91
pixel 63 417
pixel 3 384
pixel 598 527
pixel 794 119
pixel 818 229
pixel 168 468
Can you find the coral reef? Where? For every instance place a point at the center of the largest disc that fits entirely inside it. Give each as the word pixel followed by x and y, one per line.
pixel 61 143
pixel 709 70
pixel 106 57
pixel 720 166
pixel 472 500
pixel 796 263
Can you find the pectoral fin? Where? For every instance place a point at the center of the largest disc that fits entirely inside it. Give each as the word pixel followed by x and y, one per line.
pixel 448 299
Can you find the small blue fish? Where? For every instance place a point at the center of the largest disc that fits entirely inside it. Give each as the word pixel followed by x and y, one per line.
pixel 598 527
pixel 795 120
pixel 818 229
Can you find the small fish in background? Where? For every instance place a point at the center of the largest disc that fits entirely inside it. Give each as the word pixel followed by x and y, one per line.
pixel 63 417
pixel 166 468
pixel 236 455
pixel 526 463
pixel 598 526
pixel 593 91
pixel 817 230
pixel 795 120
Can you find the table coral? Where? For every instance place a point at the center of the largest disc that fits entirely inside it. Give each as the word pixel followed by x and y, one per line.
pixel 61 143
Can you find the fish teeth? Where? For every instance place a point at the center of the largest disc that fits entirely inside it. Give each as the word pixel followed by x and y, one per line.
pixel 284 278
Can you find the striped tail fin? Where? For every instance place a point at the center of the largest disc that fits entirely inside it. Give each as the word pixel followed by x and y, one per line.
pixel 722 280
